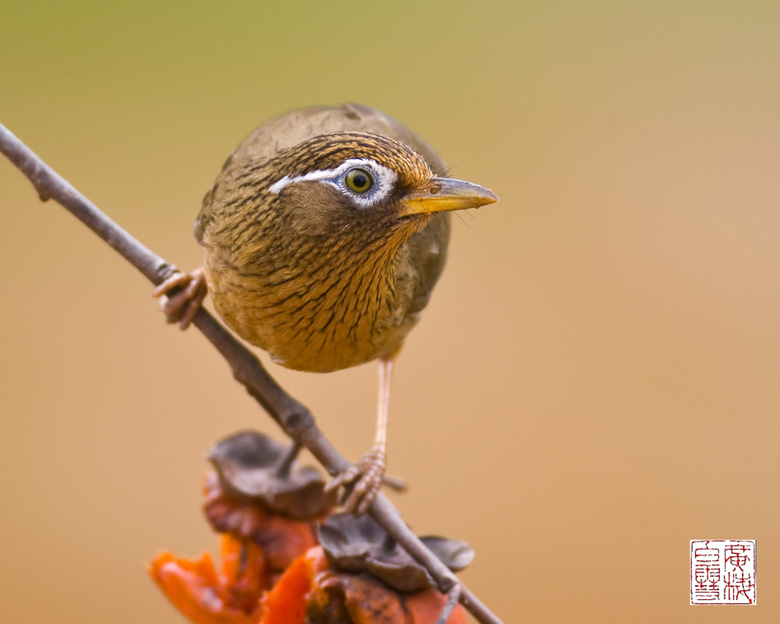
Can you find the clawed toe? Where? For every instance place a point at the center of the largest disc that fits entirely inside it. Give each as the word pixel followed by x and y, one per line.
pixel 181 296
pixel 366 479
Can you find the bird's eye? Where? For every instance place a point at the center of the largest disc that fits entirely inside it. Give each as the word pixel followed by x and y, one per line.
pixel 359 180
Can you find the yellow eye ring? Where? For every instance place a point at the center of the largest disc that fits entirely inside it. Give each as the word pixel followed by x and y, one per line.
pixel 359 180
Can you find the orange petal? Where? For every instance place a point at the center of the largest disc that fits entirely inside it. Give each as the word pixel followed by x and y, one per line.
pixel 192 586
pixel 286 602
pixel 289 539
pixel 245 575
pixel 241 560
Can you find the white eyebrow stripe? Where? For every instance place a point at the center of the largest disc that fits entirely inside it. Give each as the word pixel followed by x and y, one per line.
pixel 385 179
pixel 322 174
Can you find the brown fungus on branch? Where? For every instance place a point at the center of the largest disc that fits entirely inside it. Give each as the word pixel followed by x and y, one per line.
pixel 255 478
pixel 258 494
pixel 253 468
pixel 360 545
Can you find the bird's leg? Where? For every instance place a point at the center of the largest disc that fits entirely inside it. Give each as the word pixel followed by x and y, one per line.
pixel 368 473
pixel 181 296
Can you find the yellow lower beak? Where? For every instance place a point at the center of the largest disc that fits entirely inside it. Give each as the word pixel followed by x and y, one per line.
pixel 441 194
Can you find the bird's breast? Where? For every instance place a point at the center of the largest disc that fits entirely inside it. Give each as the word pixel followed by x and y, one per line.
pixel 315 317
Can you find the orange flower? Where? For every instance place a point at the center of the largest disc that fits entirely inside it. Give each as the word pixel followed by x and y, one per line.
pixel 271 516
pixel 208 596
pixel 265 511
pixel 311 590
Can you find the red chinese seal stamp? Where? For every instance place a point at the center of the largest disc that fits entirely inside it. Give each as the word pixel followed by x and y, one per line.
pixel 723 572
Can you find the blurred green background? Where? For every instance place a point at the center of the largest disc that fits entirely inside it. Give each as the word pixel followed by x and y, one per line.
pixel 595 382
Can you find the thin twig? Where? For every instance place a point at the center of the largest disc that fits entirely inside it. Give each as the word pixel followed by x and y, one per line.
pixel 452 599
pixel 295 418
pixel 283 467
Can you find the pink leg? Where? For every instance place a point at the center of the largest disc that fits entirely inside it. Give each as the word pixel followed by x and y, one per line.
pixel 181 296
pixel 368 473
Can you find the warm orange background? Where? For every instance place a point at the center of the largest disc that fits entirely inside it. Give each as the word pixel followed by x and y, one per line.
pixel 595 383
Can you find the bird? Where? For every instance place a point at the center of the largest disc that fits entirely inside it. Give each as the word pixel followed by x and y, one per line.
pixel 324 234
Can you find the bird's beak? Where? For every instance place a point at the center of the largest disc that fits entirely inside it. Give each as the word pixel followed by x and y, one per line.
pixel 441 194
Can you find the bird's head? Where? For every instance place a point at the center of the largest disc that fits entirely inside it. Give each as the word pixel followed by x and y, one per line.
pixel 339 193
pixel 352 180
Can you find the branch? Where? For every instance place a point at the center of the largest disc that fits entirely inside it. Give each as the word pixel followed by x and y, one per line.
pixel 294 417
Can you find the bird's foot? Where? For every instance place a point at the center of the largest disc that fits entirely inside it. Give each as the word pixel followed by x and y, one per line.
pixel 366 477
pixel 181 296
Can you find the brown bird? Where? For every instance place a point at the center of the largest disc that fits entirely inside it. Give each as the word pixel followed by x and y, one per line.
pixel 324 234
